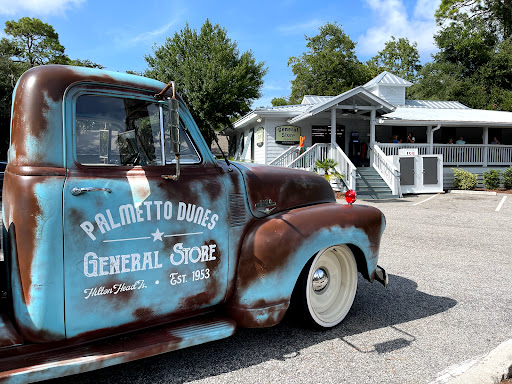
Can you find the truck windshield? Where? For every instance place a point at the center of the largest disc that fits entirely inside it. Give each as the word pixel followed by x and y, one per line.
pixel 124 131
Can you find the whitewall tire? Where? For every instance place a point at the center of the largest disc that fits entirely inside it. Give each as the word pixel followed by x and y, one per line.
pixel 329 285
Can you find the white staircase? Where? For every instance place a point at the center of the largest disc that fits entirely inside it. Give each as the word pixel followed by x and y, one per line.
pixel 292 159
pixel 382 169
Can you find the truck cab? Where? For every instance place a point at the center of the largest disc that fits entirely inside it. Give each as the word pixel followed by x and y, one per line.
pixel 118 221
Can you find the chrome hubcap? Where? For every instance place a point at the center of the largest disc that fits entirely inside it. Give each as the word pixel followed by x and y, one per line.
pixel 320 280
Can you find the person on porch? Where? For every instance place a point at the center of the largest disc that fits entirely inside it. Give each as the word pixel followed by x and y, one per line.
pixel 410 138
pixel 460 140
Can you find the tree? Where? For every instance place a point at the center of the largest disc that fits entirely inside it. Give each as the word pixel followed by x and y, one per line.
pixel 214 79
pixel 472 66
pixel 399 57
pixel 29 42
pixel 279 101
pixel 36 42
pixel 329 67
pixel 497 14
pixel 84 63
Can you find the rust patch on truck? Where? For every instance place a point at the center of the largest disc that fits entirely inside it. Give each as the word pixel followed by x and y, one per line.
pixel 274 240
pixel 21 190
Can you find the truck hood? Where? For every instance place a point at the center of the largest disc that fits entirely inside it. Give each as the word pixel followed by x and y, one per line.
pixel 274 189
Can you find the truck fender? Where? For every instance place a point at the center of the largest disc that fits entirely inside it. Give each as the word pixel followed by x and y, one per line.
pixel 276 249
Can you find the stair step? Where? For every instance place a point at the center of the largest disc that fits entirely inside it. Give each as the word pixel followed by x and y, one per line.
pixel 380 196
pixel 47 364
pixel 371 186
pixel 373 189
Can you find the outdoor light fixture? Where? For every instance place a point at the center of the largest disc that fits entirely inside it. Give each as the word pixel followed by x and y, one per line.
pixel 259 120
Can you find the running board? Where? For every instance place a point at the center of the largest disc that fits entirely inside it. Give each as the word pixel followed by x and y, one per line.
pixel 49 364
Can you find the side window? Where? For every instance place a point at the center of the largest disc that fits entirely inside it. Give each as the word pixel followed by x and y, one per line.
pixel 124 131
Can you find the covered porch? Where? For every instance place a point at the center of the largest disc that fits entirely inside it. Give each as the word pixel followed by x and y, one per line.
pixel 459 154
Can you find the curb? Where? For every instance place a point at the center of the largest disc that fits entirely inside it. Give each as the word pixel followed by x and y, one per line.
pixel 463 192
pixel 486 369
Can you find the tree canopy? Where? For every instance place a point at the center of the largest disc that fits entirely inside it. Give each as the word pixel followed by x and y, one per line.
pixel 399 57
pixel 496 14
pixel 473 65
pixel 216 81
pixel 34 42
pixel 329 66
pixel 29 42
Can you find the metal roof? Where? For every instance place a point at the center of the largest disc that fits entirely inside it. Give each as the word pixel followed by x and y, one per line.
pixel 432 104
pixel 287 108
pixel 354 97
pixel 460 117
pixel 386 78
pixel 314 99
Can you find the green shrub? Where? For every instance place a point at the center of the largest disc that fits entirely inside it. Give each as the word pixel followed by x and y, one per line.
pixel 507 178
pixel 464 179
pixel 492 179
pixel 329 167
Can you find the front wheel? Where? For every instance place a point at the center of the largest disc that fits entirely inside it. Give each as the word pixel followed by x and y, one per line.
pixel 329 286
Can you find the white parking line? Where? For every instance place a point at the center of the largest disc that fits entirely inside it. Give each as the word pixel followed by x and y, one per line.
pixel 501 204
pixel 430 198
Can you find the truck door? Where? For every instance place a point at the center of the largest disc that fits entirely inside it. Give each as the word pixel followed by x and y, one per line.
pixel 137 247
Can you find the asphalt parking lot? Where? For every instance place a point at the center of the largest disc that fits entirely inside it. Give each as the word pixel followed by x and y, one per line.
pixel 448 301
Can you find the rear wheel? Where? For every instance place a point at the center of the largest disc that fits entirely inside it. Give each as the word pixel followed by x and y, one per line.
pixel 328 286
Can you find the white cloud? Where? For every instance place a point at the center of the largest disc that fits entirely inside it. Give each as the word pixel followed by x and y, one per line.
pixel 150 36
pixel 38 7
pixel 128 37
pixel 391 18
pixel 300 28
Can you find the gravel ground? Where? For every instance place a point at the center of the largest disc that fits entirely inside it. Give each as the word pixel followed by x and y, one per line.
pixel 448 301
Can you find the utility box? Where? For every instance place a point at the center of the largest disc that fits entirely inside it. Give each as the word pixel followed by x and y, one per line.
pixel 420 173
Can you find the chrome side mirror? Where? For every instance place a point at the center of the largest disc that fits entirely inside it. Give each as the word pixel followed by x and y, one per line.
pixel 174 126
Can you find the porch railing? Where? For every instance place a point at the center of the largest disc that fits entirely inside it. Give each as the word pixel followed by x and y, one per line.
pixel 285 158
pixel 392 149
pixel 459 154
pixel 386 169
pixel 325 151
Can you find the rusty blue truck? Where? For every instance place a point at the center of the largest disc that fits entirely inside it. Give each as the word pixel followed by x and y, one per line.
pixel 125 238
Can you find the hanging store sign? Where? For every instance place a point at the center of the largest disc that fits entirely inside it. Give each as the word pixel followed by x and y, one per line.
pixel 260 136
pixel 287 135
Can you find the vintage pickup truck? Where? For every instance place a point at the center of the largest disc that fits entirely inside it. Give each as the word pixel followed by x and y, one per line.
pixel 125 238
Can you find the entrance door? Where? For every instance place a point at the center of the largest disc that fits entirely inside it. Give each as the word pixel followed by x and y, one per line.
pixel 137 247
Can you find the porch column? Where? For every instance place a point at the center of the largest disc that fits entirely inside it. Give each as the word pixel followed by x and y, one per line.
pixel 485 140
pixel 372 133
pixel 429 139
pixel 333 131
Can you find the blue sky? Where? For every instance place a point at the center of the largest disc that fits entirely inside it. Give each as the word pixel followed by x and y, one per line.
pixel 117 34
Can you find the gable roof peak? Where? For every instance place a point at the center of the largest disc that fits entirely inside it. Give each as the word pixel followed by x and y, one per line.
pixel 387 78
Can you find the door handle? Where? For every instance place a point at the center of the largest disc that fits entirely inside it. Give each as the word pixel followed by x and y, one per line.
pixel 78 191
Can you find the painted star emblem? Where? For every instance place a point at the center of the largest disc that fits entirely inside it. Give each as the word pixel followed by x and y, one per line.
pixel 157 235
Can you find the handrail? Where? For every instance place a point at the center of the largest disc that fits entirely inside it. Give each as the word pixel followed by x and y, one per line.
pixel 285 158
pixel 321 151
pixel 345 167
pixel 302 160
pixel 386 170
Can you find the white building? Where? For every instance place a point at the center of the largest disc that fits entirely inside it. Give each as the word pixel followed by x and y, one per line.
pixel 366 119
